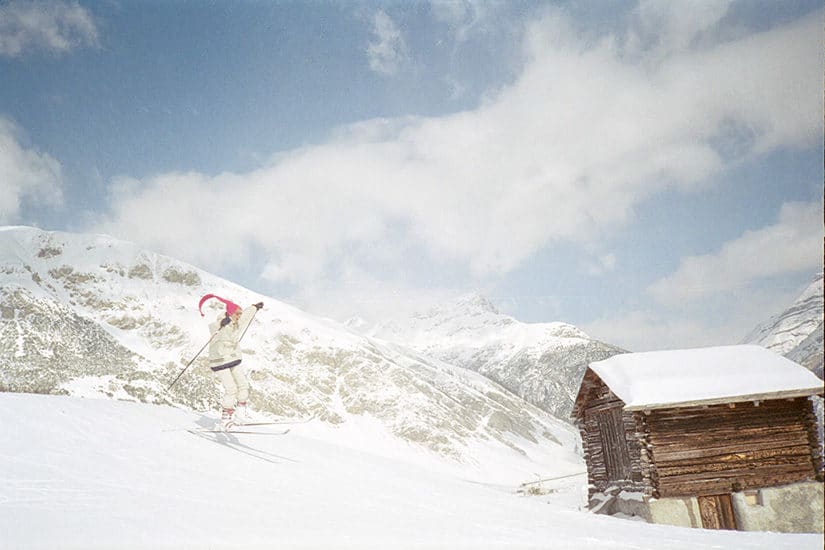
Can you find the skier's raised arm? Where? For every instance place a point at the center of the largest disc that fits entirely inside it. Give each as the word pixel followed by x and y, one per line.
pixel 247 315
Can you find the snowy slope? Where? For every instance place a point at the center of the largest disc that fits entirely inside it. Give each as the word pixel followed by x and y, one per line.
pixel 102 474
pixel 541 362
pixel 88 315
pixel 797 332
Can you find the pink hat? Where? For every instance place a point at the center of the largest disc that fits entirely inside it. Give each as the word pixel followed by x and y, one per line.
pixel 231 307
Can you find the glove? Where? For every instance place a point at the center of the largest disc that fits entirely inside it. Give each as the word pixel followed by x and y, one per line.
pixel 259 305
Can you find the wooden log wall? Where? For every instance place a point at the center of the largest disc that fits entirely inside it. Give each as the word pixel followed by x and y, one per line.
pixel 725 448
pixel 647 466
pixel 813 438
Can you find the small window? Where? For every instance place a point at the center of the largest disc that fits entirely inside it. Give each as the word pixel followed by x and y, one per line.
pixel 753 498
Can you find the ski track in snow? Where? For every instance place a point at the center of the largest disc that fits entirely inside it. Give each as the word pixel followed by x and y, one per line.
pixel 83 473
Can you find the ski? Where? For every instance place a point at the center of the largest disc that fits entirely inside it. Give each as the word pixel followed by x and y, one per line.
pixel 252 424
pixel 233 432
pixel 276 422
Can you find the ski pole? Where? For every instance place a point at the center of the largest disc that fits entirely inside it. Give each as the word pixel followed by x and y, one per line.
pixel 250 322
pixel 191 361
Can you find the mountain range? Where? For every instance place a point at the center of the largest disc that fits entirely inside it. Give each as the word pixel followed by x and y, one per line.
pixel 542 363
pixel 92 316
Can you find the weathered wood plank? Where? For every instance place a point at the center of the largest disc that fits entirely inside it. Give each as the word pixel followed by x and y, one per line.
pixel 770 409
pixel 791 472
pixel 701 426
pixel 666 454
pixel 758 479
pixel 661 449
pixel 738 463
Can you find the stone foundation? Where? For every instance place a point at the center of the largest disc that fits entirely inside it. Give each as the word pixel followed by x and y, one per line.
pixel 794 508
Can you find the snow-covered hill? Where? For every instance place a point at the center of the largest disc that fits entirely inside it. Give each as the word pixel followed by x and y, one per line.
pixel 88 315
pixel 797 332
pixel 105 474
pixel 541 362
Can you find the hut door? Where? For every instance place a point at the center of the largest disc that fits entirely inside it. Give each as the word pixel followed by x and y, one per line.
pixel 717 512
pixel 614 444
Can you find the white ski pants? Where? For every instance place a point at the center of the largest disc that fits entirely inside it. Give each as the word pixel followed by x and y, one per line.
pixel 235 385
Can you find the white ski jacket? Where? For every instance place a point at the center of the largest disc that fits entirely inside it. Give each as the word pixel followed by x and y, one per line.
pixel 224 348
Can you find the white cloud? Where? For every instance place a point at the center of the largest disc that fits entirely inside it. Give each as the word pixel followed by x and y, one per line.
pixel 563 154
pixel 791 245
pixel 466 17
pixel 357 292
pixel 727 322
pixel 48 25
pixel 26 175
pixel 761 82
pixel 601 265
pixel 665 28
pixel 388 50
pixel 647 331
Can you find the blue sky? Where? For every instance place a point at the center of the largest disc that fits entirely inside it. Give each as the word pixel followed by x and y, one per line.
pixel 649 171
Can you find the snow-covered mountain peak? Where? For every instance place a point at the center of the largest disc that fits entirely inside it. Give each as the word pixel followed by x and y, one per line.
pixel 541 362
pixel 814 290
pixel 18 242
pixel 474 320
pixel 475 304
pixel 788 329
pixel 472 308
pixel 797 332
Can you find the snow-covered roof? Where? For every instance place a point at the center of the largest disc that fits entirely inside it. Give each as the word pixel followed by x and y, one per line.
pixel 704 376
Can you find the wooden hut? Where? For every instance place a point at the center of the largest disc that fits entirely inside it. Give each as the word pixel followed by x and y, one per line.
pixel 711 437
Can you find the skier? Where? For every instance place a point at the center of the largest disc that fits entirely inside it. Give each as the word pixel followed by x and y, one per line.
pixel 225 358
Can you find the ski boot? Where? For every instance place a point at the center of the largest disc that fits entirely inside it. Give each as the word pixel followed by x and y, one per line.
pixel 227 420
pixel 241 416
